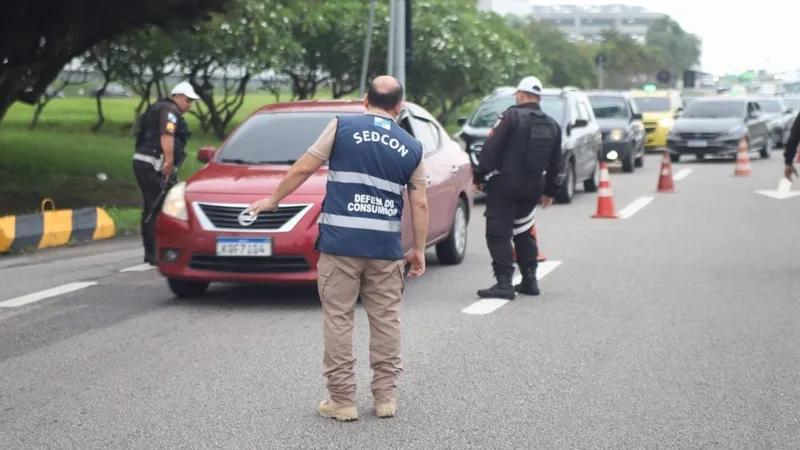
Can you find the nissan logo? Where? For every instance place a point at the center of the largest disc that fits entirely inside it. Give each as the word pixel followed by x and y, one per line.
pixel 247 218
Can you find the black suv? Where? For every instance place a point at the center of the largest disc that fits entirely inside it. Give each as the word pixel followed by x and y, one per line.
pixel 582 140
pixel 621 124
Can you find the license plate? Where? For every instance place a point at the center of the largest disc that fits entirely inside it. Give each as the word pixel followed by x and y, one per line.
pixel 244 247
pixel 697 143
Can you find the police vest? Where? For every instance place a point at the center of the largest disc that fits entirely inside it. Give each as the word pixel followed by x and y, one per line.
pixel 148 139
pixel 371 162
pixel 532 139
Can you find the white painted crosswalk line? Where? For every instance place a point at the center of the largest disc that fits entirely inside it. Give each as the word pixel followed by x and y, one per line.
pixel 681 174
pixel 490 305
pixel 45 294
pixel 139 268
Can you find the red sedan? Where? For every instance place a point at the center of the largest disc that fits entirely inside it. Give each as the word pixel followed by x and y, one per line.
pixel 202 236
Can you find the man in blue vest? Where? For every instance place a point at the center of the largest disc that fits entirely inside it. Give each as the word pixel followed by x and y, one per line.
pixel 370 160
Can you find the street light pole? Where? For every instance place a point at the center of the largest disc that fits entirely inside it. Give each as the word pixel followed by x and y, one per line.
pixel 367 45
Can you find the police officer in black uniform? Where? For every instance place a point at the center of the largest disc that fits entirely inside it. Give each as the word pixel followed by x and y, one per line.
pixel 523 144
pixel 160 148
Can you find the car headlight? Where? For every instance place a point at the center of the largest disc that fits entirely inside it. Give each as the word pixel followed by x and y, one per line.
pixel 666 122
pixel 737 131
pixel 616 135
pixel 175 202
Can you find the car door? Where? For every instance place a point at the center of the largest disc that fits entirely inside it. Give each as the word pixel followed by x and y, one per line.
pixel 636 126
pixel 586 147
pixel 755 125
pixel 439 174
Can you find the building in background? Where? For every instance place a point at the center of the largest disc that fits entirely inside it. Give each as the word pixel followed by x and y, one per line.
pixel 504 7
pixel 584 23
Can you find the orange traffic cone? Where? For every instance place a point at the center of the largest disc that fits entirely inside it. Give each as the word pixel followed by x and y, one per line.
pixel 742 168
pixel 540 256
pixel 605 199
pixel 665 182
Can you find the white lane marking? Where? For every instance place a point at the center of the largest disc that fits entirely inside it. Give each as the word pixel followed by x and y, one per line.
pixel 635 206
pixel 681 174
pixel 47 293
pixel 139 268
pixel 490 305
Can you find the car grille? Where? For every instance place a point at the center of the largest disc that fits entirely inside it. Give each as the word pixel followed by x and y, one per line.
pixel 223 216
pixel 234 264
pixel 698 135
pixel 650 129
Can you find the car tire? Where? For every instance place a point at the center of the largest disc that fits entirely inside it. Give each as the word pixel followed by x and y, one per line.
pixel 639 161
pixel 675 157
pixel 187 288
pixel 452 250
pixel 593 183
pixel 567 189
pixel 629 163
pixel 766 152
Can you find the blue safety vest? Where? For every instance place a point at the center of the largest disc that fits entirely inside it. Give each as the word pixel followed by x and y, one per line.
pixel 371 162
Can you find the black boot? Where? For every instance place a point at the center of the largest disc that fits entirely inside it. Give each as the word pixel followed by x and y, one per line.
pixel 529 284
pixel 502 289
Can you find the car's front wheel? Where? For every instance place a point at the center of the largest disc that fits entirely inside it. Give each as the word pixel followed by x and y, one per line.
pixel 629 160
pixel 766 152
pixel 452 250
pixel 187 288
pixel 567 189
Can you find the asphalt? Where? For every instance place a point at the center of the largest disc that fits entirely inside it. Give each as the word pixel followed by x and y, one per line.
pixel 675 328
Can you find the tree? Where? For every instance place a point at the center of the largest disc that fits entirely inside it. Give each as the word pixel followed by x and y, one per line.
pixel 71 76
pixel 104 59
pixel 461 57
pixel 38 38
pixel 145 58
pixel 629 61
pixel 681 49
pixel 222 55
pixel 569 66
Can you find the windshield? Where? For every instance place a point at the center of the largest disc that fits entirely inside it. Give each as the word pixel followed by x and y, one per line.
pixel 490 110
pixel 771 106
pixel 279 138
pixel 715 109
pixel 609 107
pixel 792 102
pixel 653 104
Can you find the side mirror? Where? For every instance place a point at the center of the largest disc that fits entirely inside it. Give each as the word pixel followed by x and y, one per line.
pixel 206 154
pixel 789 110
pixel 461 121
pixel 678 113
pixel 638 116
pixel 580 123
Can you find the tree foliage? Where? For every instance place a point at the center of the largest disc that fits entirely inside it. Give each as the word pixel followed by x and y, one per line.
pixel 568 64
pixel 38 38
pixel 679 49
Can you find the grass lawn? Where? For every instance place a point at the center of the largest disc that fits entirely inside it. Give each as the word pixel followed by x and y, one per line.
pixel 61 158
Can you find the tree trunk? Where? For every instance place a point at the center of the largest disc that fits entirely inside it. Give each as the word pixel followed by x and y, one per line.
pixel 98 98
pixel 37 113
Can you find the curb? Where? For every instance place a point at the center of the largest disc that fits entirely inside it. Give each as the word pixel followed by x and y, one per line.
pixel 54 228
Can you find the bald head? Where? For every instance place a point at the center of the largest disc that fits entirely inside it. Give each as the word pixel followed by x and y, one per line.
pixel 385 92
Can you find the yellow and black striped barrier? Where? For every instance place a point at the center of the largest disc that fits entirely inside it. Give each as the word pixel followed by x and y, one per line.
pixel 54 228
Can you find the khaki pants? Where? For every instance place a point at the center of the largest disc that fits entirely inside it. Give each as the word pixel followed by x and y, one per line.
pixel 380 284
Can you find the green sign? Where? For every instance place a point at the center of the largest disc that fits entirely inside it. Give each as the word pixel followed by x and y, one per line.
pixel 649 87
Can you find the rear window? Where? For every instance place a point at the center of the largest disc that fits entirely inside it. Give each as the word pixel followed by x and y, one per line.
pixel 490 110
pixel 608 107
pixel 653 104
pixel 279 138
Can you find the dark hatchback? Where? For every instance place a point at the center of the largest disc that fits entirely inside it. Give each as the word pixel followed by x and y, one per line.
pixel 581 137
pixel 717 126
pixel 622 128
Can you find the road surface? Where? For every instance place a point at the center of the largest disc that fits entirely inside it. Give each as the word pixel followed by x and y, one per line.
pixel 677 327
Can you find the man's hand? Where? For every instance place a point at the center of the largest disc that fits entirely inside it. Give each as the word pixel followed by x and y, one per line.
pixel 266 204
pixel 788 171
pixel 166 171
pixel 546 201
pixel 479 188
pixel 417 260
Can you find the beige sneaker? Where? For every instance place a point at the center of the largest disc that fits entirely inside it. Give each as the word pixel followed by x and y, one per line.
pixel 385 409
pixel 341 413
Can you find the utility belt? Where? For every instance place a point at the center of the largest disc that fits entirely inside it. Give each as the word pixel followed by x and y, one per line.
pixel 150 156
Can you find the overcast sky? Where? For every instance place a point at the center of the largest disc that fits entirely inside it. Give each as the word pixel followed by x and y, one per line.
pixel 736 36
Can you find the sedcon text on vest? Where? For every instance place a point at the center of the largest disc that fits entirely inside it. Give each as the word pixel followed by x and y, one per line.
pixel 383 138
pixel 374 205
